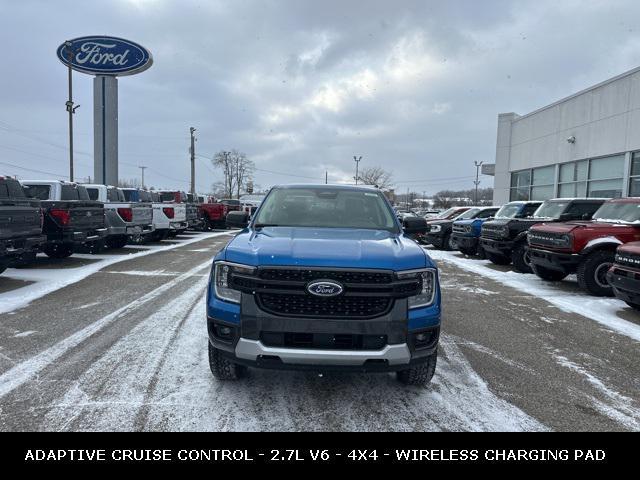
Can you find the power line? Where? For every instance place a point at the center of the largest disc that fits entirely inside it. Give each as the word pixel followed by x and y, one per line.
pixel 34 170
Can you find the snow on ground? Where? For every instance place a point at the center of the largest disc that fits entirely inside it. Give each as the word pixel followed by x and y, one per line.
pixel 157 378
pixel 602 310
pixel 47 280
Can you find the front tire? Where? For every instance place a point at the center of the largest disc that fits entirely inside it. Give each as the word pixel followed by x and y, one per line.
pixel 548 274
pixel 498 259
pixel 592 273
pixel 58 250
pixel 419 375
pixel 223 369
pixel 468 251
pixel 635 306
pixel 520 258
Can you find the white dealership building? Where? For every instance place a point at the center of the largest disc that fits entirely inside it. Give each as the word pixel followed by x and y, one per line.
pixel 587 144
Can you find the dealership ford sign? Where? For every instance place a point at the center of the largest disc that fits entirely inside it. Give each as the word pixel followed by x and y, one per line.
pixel 102 55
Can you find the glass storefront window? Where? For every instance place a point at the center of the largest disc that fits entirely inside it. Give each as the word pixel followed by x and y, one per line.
pixel 542 193
pixel 544 175
pixel 521 179
pixel 606 188
pixel 604 168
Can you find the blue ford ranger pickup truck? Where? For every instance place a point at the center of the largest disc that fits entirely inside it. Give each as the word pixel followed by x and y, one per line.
pixel 324 278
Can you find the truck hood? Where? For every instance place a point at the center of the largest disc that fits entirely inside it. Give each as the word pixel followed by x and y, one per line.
pixel 326 247
pixel 567 227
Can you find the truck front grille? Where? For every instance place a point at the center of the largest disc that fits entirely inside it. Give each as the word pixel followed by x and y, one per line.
pixel 628 260
pixel 323 341
pixel 490 231
pixel 333 307
pixel 546 239
pixel 366 293
pixel 459 229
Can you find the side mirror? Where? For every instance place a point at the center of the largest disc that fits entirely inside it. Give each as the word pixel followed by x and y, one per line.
pixel 566 216
pixel 237 219
pixel 414 225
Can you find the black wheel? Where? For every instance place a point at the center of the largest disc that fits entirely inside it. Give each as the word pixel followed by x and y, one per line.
pixel 446 244
pixel 592 273
pixel 498 259
pixel 520 258
pixel 117 241
pixel 172 234
pixel 421 374
pixel 635 306
pixel 58 250
pixel 482 255
pixel 468 251
pixel 2 269
pixel 222 368
pixel 24 260
pixel 97 247
pixel 548 274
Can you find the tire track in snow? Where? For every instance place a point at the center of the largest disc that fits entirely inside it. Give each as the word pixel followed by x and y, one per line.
pixel 25 370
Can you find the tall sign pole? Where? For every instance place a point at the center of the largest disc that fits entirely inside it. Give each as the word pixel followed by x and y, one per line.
pixel 193 160
pixel 477 182
pixel 107 58
pixel 357 160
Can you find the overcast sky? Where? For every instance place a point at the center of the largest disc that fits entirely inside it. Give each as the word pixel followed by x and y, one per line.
pixel 302 86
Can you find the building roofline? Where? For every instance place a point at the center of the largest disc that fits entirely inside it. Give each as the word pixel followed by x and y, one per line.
pixel 570 97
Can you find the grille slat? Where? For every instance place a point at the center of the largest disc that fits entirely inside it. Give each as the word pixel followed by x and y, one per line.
pixel 332 307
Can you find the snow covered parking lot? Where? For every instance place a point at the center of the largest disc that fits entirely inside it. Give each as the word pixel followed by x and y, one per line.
pixel 120 344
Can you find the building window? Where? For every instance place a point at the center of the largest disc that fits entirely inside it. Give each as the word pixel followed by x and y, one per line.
pixel 573 179
pixel 520 185
pixel 606 177
pixel 542 185
pixel 634 181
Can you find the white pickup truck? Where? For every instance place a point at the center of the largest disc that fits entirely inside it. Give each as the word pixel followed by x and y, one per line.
pixel 164 214
pixel 175 199
pixel 124 219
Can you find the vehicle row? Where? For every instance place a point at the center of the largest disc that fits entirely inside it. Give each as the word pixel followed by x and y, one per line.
pixel 59 218
pixel 596 239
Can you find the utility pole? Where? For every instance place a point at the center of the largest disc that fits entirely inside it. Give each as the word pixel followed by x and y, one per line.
pixel 357 160
pixel 477 182
pixel 227 175
pixel 143 169
pixel 193 160
pixel 326 177
pixel 70 108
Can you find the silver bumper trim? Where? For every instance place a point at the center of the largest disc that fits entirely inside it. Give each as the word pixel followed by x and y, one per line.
pixel 393 354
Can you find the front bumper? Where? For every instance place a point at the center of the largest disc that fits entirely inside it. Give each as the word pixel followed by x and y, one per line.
pixel 464 242
pixel 435 239
pixel 562 262
pixel 625 283
pixel 251 341
pixel 500 247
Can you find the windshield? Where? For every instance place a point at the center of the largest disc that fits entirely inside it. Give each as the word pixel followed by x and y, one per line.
pixel 326 208
pixel 551 209
pixel 618 212
pixel 472 212
pixel 510 210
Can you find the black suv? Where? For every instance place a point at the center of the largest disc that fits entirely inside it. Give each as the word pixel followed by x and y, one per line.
pixel 505 239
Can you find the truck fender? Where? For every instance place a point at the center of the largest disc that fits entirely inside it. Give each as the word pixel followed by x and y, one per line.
pixel 603 243
pixel 521 236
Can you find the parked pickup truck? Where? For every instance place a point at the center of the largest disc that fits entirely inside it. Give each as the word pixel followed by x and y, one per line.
pixel 176 200
pixel 71 218
pixel 213 214
pixel 440 233
pixel 586 248
pixel 324 278
pixel 466 232
pixel 505 240
pixel 125 219
pixel 624 275
pixel 449 214
pixel 21 235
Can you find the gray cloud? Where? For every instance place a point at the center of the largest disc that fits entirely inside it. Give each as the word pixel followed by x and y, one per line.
pixel 302 86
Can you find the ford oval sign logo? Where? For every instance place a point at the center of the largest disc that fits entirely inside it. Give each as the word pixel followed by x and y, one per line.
pixel 105 56
pixel 325 288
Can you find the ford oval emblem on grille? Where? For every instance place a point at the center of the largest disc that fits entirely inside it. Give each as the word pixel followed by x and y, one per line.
pixel 325 288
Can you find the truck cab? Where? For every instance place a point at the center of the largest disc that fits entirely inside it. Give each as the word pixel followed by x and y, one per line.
pixel 586 248
pixel 125 218
pixel 70 218
pixel 466 232
pixel 441 233
pixel 505 240
pixel 21 220
pixel 325 278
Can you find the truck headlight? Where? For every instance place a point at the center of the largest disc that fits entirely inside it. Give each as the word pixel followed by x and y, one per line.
pixel 435 228
pixel 428 290
pixel 504 232
pixel 222 274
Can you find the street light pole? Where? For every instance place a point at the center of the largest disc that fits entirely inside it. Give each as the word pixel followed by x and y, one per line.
pixel 477 182
pixel 142 168
pixel 357 160
pixel 70 107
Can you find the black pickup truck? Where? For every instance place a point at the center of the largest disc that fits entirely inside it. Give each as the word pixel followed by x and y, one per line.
pixel 505 239
pixel 71 219
pixel 20 225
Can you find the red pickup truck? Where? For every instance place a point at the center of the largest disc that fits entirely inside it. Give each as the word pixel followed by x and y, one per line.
pixel 214 214
pixel 585 247
pixel 624 275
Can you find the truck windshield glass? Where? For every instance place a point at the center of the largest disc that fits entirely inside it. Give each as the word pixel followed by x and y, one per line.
pixel 472 212
pixel 129 195
pixel 551 209
pixel 326 208
pixel 41 192
pixel 510 210
pixel 623 212
pixel 93 193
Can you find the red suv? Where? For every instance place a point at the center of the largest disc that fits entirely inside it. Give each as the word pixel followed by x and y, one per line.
pixel 586 248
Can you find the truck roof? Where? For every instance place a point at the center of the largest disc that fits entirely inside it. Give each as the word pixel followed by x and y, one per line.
pixel 328 186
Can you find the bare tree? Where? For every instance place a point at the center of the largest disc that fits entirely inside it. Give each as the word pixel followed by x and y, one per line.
pixel 376 176
pixel 237 170
pixel 130 183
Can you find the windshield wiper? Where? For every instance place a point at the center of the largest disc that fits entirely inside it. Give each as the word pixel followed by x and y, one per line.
pixel 263 225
